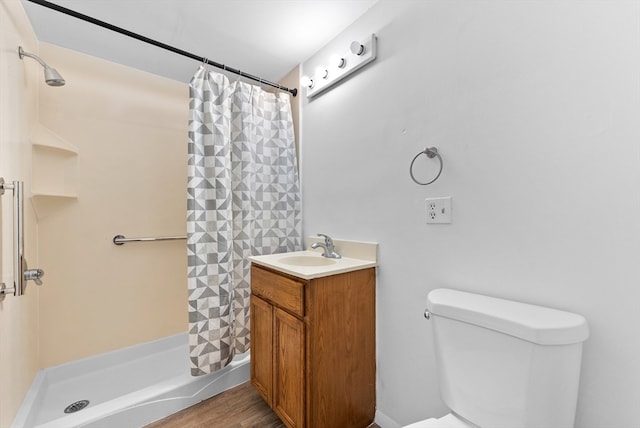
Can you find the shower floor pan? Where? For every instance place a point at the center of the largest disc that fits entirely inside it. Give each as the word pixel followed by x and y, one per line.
pixel 130 387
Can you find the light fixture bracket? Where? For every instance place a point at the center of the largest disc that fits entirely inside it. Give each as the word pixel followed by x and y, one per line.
pixel 353 62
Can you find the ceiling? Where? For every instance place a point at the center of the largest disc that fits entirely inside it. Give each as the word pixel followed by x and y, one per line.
pixel 266 38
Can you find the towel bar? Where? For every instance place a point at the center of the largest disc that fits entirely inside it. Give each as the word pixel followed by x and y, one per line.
pixel 121 240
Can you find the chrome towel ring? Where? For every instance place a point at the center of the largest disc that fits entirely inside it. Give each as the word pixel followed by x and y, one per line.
pixel 431 153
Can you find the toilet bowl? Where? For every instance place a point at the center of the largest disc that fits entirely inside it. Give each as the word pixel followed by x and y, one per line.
pixel 504 364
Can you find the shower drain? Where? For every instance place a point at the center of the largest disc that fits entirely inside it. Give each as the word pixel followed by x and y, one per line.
pixel 77 406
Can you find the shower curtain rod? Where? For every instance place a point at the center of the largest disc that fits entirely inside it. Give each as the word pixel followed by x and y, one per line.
pixel 128 33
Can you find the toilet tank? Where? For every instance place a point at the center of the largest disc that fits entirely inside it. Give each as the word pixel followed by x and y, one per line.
pixel 505 364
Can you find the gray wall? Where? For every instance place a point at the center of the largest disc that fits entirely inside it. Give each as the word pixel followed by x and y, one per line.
pixel 534 107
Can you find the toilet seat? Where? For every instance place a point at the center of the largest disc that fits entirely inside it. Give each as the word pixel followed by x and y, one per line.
pixel 447 421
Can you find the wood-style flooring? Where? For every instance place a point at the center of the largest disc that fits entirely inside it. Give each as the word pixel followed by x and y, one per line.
pixel 240 407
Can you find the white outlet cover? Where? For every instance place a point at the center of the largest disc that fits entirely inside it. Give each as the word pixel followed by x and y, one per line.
pixel 438 210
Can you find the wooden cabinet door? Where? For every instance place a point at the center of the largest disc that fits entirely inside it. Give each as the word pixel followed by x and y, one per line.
pixel 288 369
pixel 262 348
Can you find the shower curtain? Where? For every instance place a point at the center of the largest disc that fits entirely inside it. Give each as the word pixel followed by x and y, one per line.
pixel 243 199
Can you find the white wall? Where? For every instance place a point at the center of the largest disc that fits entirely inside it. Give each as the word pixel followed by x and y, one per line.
pixel 535 109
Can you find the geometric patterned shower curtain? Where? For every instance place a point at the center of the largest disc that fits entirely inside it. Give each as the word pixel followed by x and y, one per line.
pixel 243 199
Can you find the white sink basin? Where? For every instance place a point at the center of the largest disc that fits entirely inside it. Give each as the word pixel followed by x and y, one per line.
pixel 311 264
pixel 307 261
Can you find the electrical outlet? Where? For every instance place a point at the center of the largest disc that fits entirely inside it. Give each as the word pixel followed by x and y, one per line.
pixel 438 210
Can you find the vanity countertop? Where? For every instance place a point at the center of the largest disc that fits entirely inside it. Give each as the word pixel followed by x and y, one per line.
pixel 311 264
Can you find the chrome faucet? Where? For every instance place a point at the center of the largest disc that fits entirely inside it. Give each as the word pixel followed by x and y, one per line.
pixel 329 248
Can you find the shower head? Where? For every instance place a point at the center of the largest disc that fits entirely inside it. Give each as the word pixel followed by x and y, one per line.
pixel 51 75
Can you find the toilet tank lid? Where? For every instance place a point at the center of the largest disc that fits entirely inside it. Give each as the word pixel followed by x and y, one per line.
pixel 537 324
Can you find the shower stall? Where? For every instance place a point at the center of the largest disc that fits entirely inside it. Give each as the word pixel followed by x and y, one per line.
pixel 119 330
pixel 128 388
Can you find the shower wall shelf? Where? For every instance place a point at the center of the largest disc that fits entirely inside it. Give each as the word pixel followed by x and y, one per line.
pixel 45 204
pixel 54 171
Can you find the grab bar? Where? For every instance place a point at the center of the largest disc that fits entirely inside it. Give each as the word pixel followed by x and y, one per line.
pixel 121 240
pixel 20 272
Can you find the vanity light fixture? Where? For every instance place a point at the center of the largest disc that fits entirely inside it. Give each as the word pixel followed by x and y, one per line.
pixel 359 54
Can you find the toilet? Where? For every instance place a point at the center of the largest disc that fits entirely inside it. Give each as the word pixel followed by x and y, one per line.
pixel 504 364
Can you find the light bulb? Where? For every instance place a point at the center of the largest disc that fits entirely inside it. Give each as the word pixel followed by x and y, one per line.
pixel 307 81
pixel 338 61
pixel 357 48
pixel 322 72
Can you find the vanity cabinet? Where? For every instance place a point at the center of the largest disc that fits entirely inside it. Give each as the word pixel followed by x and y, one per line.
pixel 313 347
